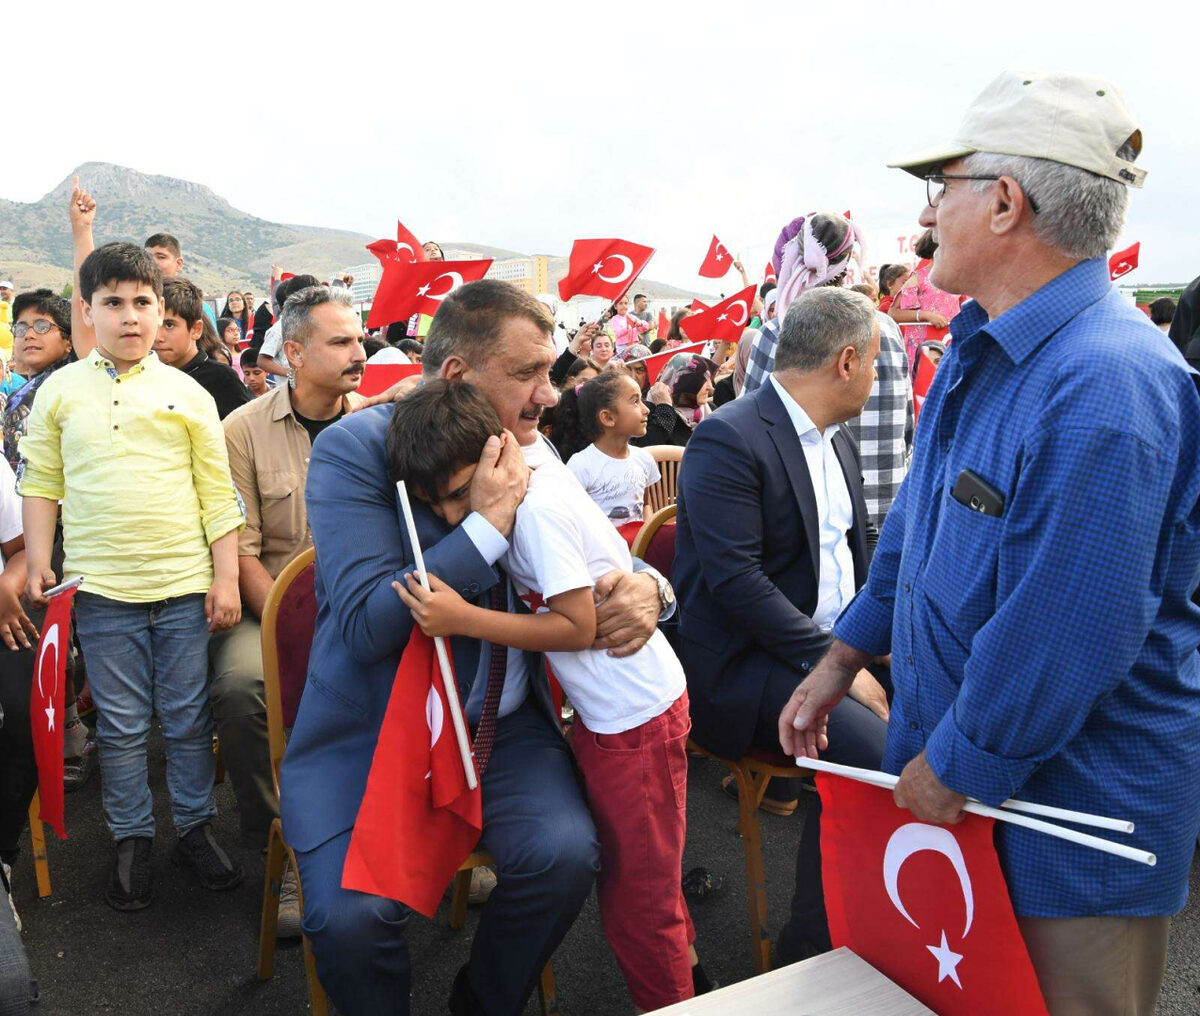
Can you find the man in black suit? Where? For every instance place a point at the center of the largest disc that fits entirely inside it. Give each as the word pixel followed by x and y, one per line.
pixel 771 544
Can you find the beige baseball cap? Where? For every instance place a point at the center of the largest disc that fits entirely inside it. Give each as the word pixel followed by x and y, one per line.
pixel 1076 119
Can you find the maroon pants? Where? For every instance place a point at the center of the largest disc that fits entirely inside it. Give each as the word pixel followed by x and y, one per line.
pixel 637 791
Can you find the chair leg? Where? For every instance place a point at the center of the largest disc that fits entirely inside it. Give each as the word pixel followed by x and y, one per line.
pixel 458 899
pixel 547 991
pixel 268 923
pixel 37 836
pixel 756 879
pixel 318 1001
pixel 219 776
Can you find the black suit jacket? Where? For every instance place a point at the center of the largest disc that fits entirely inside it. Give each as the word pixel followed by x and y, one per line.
pixel 747 554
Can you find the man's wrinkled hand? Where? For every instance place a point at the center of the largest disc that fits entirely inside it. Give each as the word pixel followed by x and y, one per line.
pixel 922 793
pixel 627 609
pixel 393 394
pixel 500 482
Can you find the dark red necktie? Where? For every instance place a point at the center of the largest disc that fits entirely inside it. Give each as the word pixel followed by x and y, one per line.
pixel 485 732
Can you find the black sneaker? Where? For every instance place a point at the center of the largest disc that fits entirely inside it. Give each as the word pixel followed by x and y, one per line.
pixel 130 884
pixel 199 851
pixel 77 770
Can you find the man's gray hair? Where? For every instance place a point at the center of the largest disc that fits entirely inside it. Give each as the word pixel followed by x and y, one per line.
pixel 296 319
pixel 820 324
pixel 1079 214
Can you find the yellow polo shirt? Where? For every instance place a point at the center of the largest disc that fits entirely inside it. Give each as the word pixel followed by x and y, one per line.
pixel 139 463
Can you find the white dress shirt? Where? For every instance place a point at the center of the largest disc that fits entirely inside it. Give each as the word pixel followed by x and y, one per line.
pixel 835 512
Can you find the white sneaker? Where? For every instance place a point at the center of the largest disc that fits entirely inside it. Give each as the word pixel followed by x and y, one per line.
pixel 288 925
pixel 8 893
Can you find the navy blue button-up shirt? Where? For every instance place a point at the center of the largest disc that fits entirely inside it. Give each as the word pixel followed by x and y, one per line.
pixel 1050 653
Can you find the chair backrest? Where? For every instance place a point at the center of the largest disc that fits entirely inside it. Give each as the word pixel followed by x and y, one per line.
pixel 655 543
pixel 670 461
pixel 288 620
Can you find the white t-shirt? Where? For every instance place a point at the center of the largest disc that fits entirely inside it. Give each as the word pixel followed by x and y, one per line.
pixel 10 505
pixel 272 345
pixel 618 486
pixel 560 541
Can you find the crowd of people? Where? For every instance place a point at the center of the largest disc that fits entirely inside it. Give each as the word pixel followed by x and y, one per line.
pixel 832 590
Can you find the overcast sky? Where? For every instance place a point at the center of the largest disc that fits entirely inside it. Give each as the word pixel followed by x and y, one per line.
pixel 527 124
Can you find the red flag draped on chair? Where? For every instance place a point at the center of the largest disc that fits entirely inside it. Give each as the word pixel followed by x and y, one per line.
pixel 717 261
pixel 419 287
pixel 926 905
pixel 47 707
pixel 1123 262
pixel 604 268
pixel 418 821
pixel 723 321
pixel 926 369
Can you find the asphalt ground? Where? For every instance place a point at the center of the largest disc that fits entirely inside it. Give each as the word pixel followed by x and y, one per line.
pixel 194 953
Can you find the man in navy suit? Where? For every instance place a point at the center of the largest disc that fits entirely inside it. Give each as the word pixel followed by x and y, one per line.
pixel 771 544
pixel 535 822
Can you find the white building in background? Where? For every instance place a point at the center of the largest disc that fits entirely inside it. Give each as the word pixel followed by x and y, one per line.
pixel 366 279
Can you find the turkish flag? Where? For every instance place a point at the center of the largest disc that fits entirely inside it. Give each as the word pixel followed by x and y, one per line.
pixel 604 268
pixel 664 325
pixel 922 382
pixel 769 274
pixel 716 262
pixel 406 248
pixel 656 363
pixel 697 306
pixel 419 287
pixel 47 707
pixel 1124 261
pixel 723 321
pixel 418 821
pixel 379 377
pixel 926 905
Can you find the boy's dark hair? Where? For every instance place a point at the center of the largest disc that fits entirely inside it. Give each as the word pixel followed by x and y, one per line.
pixel 372 346
pixel 765 288
pixel 249 359
pixel 183 299
pixel 639 296
pixel 440 427
pixel 576 423
pixel 45 301
pixel 1162 310
pixel 118 262
pixel 411 348
pixel 166 241
pixel 293 285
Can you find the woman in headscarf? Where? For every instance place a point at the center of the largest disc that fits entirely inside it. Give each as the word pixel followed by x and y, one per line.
pixel 634 358
pixel 691 388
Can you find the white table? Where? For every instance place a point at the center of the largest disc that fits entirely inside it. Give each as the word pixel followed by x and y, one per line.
pixel 837 983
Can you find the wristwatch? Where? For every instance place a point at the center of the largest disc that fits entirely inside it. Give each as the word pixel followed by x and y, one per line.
pixel 666 595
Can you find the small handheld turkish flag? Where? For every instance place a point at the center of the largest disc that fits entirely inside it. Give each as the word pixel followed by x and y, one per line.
pixel 723 321
pixel 656 363
pixel 769 273
pixel 926 905
pixel 1124 261
pixel 419 287
pixel 47 707
pixel 604 268
pixel 664 325
pixel 717 261
pixel 697 306
pixel 418 821
pixel 922 382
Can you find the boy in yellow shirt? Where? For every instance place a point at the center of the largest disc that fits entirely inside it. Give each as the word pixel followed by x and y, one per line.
pixel 136 453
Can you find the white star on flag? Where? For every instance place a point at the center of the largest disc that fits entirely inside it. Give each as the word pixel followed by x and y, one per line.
pixel 423 290
pixel 948 961
pixel 50 715
pixel 722 317
pixel 596 267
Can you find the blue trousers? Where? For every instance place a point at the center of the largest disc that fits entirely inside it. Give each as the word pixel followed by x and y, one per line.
pixel 537 828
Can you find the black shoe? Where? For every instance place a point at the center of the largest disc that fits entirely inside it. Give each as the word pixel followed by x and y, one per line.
pixel 700 883
pixel 701 983
pixel 131 883
pixel 462 999
pixel 199 852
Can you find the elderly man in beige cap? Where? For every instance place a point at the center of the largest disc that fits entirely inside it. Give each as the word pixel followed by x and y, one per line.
pixel 1033 580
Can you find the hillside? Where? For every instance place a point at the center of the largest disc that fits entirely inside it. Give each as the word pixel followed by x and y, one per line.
pixel 223 247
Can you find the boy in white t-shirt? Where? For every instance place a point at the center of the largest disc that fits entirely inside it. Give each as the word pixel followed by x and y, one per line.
pixel 631 712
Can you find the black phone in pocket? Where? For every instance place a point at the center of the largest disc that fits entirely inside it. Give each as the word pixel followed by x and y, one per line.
pixel 976 493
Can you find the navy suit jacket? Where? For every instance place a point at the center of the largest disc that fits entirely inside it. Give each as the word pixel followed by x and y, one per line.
pixel 747 555
pixel 362 626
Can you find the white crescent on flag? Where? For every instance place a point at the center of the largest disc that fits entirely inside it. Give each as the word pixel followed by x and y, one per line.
pixel 50 644
pixel 745 311
pixel 405 246
pixel 456 280
pixel 911 839
pixel 435 718
pixel 626 271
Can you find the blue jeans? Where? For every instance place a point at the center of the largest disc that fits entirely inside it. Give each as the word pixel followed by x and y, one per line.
pixel 145 658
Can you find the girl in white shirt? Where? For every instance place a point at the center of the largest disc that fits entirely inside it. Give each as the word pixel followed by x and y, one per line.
pixel 610 412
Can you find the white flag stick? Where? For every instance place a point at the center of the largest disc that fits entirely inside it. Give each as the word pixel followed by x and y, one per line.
pixel 456 716
pixel 1006 814
pixel 69 584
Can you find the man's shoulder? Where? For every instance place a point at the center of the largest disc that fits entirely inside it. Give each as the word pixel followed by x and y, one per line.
pixel 249 414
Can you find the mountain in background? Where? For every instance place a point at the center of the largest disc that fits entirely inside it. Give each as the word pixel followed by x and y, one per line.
pixel 223 248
